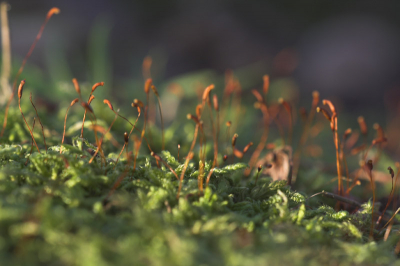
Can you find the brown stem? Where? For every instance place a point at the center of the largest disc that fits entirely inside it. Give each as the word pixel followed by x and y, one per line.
pixel 94 87
pixel 65 121
pixel 188 157
pixel 119 180
pixel 215 137
pixel 93 120
pixel 209 176
pixel 83 123
pixel 235 136
pixel 133 127
pixel 356 183
pixel 158 158
pixel 343 157
pixel 263 140
pixel 338 166
pixel 30 131
pixel 228 126
pixel 345 166
pixel 368 168
pixel 147 86
pixel 304 136
pixel 65 125
pixel 395 196
pixel 216 108
pixel 161 116
pixel 33 126
pixel 51 12
pixel 101 140
pixel 20 90
pixel 288 109
pixel 119 155
pixel 37 115
pixel 390 197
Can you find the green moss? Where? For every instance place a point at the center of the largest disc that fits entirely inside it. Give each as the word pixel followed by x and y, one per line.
pixel 52 212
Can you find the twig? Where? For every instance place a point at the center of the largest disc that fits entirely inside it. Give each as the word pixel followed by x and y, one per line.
pixel 337 197
pixel 6 53
pixel 394 215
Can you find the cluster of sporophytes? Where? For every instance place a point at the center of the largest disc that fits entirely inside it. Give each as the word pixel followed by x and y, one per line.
pixel 98 202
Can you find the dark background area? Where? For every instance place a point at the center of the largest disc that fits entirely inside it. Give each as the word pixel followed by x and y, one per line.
pixel 344 49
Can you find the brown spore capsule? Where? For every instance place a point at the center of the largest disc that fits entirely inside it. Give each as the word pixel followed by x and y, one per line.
pixel 333 123
pixel 91 98
pixel 379 130
pixel 215 102
pixel 379 140
pixel 363 125
pixel 324 112
pixel 109 104
pixel 52 12
pixel 138 102
pixel 192 117
pixel 331 106
pixel 369 165
pixel 347 133
pixel 258 96
pixel 87 106
pixel 265 84
pixel 235 136
pixel 199 108
pixel 154 89
pixel 76 86
pixel 147 85
pixel 315 96
pixel 303 114
pixel 238 153
pixel 74 101
pixel 391 171
pixel 246 148
pixel 21 88
pixel 94 87
pixel 206 92
pixel 126 138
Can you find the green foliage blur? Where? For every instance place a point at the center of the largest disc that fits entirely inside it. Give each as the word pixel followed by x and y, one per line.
pixel 53 209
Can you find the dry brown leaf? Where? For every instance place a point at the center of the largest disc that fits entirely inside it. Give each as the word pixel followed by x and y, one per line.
pixel 280 161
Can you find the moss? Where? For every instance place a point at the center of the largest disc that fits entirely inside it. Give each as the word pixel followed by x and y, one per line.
pixel 52 212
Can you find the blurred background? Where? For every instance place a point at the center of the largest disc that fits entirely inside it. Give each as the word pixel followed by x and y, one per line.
pixel 344 49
